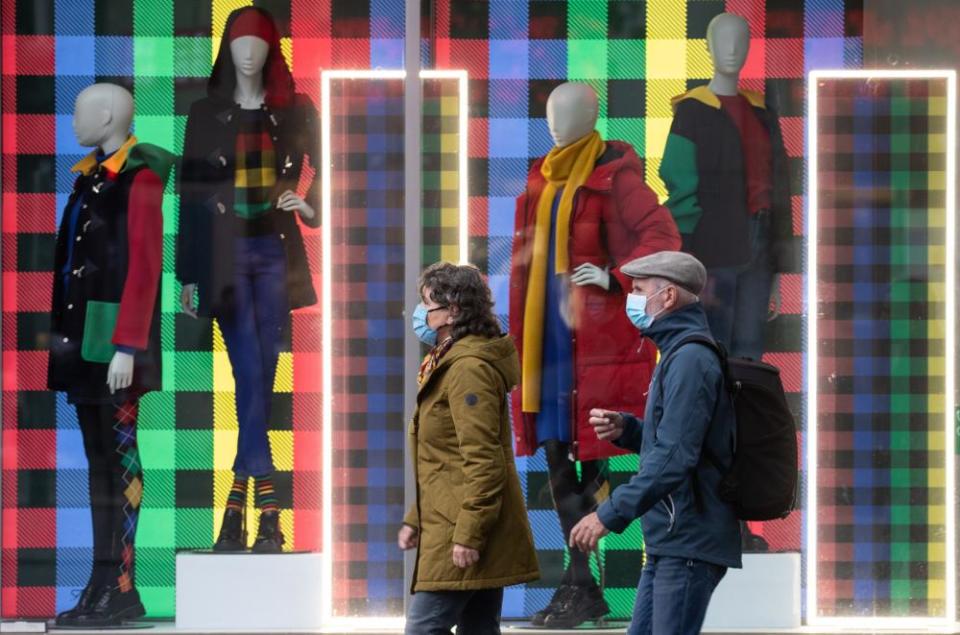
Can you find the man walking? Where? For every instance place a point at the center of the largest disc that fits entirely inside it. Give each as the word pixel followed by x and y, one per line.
pixel 691 536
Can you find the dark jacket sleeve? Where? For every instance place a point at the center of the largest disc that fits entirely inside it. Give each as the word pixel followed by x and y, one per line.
pixel 783 245
pixel 189 188
pixel 311 147
pixel 145 238
pixel 632 436
pixel 679 169
pixel 647 221
pixel 691 386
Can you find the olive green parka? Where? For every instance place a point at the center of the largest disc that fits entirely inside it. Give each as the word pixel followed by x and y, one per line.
pixel 468 491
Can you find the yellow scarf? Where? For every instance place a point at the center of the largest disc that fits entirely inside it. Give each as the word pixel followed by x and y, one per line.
pixel 567 168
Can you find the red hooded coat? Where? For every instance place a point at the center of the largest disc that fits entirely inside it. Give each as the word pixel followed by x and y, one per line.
pixel 616 218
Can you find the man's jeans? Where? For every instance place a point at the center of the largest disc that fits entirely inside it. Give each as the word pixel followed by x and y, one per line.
pixel 673 596
pixel 472 612
pixel 737 299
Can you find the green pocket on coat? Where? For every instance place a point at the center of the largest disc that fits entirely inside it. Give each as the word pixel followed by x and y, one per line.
pixel 98 328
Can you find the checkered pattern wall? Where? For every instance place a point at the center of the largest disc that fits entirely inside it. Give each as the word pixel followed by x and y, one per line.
pixel 882 319
pixel 162 50
pixel 637 55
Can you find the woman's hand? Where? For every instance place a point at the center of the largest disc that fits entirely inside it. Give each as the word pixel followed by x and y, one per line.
pixel 289 201
pixel 465 557
pixel 408 538
pixel 186 300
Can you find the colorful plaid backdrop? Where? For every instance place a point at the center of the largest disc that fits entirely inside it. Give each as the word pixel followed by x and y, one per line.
pixel 881 245
pixel 162 51
pixel 637 55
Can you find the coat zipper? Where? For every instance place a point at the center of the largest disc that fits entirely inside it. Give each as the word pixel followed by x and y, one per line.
pixel 671 511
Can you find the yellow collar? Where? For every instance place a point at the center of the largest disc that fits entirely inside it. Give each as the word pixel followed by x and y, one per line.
pixel 704 95
pixel 88 164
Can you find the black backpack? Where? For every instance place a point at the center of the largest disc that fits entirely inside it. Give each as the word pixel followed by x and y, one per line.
pixel 762 482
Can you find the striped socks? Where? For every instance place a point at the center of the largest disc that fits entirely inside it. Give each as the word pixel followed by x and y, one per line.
pixel 238 494
pixel 265 494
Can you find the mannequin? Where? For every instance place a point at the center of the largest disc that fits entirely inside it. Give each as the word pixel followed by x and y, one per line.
pixel 240 249
pixel 105 332
pixel 586 210
pixel 726 173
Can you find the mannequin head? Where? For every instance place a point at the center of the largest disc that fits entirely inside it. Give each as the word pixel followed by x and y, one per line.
pixel 249 54
pixel 572 111
pixel 728 40
pixel 102 115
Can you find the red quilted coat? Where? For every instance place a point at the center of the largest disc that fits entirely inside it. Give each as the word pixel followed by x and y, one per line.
pixel 616 219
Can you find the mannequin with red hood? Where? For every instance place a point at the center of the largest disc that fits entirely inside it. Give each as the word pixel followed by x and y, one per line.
pixel 586 211
pixel 240 250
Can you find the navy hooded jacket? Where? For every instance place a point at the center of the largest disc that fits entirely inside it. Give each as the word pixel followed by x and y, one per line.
pixel 691 409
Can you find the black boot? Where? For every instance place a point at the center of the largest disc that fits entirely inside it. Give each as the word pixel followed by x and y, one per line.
pixel 88 597
pixel 584 603
pixel 233 531
pixel 112 608
pixel 269 538
pixel 559 597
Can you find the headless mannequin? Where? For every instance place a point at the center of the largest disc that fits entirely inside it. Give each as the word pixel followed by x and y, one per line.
pixel 102 115
pixel 249 56
pixel 572 111
pixel 728 41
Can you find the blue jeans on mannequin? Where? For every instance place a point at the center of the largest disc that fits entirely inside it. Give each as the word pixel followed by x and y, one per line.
pixel 472 612
pixel 252 334
pixel 673 596
pixel 737 299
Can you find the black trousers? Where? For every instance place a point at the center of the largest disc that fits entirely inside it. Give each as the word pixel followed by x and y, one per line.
pixel 574 496
pixel 116 488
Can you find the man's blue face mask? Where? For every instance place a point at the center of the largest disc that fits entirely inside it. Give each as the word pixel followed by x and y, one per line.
pixel 637 310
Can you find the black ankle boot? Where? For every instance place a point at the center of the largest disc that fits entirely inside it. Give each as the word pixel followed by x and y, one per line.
pixel 269 538
pixel 112 608
pixel 88 597
pixel 233 531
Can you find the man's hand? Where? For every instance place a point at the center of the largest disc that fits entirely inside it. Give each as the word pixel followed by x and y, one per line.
pixel 465 557
pixel 588 533
pixel 120 372
pixel 408 538
pixel 607 424
pixel 591 274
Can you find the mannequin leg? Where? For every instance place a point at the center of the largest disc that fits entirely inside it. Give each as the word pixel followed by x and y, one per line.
pixel 571 506
pixel 240 335
pixel 127 475
pixel 752 300
pixel 100 485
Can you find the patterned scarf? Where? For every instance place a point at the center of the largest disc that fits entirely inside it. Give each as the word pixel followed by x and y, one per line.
pixel 432 359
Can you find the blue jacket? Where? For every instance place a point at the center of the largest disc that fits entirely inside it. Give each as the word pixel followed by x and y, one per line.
pixel 690 410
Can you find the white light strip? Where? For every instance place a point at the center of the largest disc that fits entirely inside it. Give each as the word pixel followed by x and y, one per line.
pixel 812 356
pixel 326 599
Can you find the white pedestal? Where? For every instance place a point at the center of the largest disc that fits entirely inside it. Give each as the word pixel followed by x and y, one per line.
pixel 764 594
pixel 245 591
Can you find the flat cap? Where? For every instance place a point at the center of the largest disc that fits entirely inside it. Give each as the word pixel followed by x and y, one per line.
pixel 677 267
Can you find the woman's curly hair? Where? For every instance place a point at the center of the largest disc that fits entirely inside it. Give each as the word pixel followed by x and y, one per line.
pixel 462 286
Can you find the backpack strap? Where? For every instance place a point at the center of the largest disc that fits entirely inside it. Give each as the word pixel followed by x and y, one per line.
pixel 721 353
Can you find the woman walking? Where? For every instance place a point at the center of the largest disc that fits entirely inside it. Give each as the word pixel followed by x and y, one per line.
pixel 469 522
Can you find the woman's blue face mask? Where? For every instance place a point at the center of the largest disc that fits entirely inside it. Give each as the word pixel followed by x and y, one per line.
pixel 421 328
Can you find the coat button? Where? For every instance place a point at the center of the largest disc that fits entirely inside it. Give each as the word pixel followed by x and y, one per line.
pixel 85 206
pixel 283 236
pixel 66 340
pixel 70 307
pixel 274 137
pixel 78 238
pixel 223 160
pixel 221 208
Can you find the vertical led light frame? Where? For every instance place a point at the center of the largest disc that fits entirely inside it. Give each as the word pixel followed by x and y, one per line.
pixel 815 405
pixel 329 619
